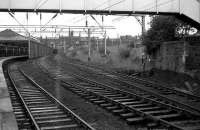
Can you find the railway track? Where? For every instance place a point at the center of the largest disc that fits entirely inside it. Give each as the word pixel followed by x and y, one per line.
pixel 145 88
pixel 131 107
pixel 160 86
pixel 37 109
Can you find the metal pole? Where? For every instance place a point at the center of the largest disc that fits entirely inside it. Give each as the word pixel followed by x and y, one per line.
pixel 19 52
pixel 199 10
pixel 64 46
pixel 120 41
pixel 89 45
pixel 157 6
pixel 40 25
pixel 69 36
pixel 97 45
pixel 13 51
pixel 6 51
pixel 105 43
pixel 143 25
pixel 29 46
pixel 180 7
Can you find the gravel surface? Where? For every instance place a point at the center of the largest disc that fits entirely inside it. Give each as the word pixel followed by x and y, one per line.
pixel 93 114
pixel 98 117
pixel 61 61
pixel 179 81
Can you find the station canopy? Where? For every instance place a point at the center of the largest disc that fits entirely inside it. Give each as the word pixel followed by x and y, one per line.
pixel 11 38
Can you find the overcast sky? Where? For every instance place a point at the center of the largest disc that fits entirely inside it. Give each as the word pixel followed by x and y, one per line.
pixel 124 25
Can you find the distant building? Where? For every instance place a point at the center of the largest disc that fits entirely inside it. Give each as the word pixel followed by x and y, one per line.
pixel 62 43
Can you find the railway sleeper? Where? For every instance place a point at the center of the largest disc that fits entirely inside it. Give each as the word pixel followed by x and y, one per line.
pixel 61 127
pixel 19 116
pixel 112 108
pixel 121 99
pixel 54 122
pixel 134 101
pixel 106 105
pixel 38 102
pixel 95 99
pixel 50 117
pixel 41 105
pixel 134 120
pixel 99 101
pixel 119 111
pixel 56 113
pixel 158 111
pixel 35 100
pixel 89 97
pixel 141 105
pixel 45 110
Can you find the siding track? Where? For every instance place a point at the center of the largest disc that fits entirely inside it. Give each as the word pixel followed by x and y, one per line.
pixel 37 108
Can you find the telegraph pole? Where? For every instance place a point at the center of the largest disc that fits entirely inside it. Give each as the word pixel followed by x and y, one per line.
pixel 97 45
pixel 143 25
pixel 89 44
pixel 105 43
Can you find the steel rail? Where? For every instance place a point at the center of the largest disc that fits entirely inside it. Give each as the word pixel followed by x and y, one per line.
pixel 136 78
pixel 148 116
pixel 129 84
pixel 140 112
pixel 36 127
pixel 76 117
pixel 126 92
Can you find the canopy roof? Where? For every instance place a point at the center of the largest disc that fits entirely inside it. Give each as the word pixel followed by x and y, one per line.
pixel 9 35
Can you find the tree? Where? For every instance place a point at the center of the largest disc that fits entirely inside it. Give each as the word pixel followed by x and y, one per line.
pixel 164 28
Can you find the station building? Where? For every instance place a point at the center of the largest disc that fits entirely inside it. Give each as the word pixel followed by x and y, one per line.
pixel 12 43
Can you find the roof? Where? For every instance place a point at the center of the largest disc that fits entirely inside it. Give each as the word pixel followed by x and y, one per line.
pixel 9 35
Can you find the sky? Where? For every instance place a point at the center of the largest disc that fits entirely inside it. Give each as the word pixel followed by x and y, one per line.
pixel 123 25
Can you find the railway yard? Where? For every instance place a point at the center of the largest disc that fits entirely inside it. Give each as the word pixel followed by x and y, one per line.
pixel 100 65
pixel 57 92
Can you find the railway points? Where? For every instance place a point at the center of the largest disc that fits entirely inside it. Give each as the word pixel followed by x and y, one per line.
pixel 105 95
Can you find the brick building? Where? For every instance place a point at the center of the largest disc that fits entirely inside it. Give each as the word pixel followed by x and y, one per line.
pixel 178 56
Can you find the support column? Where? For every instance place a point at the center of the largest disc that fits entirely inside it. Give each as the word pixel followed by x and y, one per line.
pixel 199 10
pixel 29 46
pixel 69 36
pixel 143 25
pixel 6 51
pixel 180 12
pixel 64 46
pixel 89 44
pixel 97 45
pixel 105 43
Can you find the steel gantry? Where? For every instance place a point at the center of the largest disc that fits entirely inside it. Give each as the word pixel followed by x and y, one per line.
pixel 188 10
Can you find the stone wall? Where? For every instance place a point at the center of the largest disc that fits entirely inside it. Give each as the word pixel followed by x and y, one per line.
pixel 178 56
pixel 193 58
pixel 170 56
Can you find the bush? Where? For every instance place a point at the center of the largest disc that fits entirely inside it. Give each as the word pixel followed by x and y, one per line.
pixel 102 51
pixel 124 53
pixel 85 51
pixel 73 53
pixel 55 51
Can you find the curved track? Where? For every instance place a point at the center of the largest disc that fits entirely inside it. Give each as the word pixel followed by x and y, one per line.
pixel 140 86
pixel 131 107
pixel 42 111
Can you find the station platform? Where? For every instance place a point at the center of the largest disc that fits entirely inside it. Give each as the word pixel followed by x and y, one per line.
pixel 7 116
